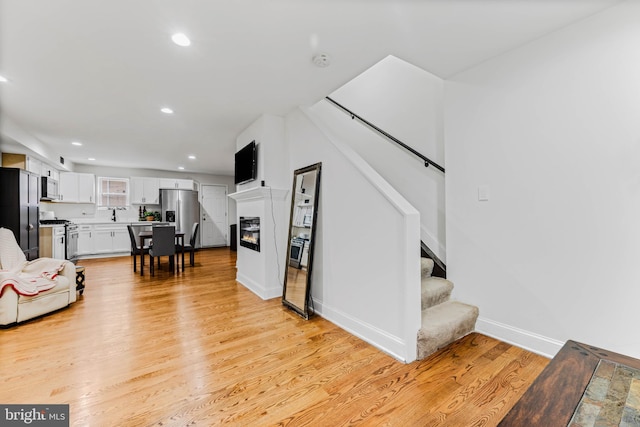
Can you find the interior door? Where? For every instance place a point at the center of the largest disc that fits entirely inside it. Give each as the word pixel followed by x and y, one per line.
pixel 214 215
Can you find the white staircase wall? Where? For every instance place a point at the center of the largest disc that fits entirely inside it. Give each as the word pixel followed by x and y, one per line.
pixel 552 131
pixel 406 102
pixel 366 275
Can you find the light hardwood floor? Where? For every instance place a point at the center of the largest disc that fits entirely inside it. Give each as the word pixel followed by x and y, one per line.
pixel 197 348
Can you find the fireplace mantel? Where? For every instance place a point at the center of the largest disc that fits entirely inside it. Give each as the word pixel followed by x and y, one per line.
pixel 259 193
pixel 262 272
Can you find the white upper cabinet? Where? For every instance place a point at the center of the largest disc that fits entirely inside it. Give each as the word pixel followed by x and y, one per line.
pixel 145 190
pixel 185 184
pixel 77 187
pixel 86 188
pixel 49 171
pixel 34 165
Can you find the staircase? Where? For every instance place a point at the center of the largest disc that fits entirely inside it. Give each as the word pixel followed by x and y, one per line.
pixel 443 321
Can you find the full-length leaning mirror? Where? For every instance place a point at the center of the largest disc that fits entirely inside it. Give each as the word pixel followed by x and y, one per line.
pixel 302 234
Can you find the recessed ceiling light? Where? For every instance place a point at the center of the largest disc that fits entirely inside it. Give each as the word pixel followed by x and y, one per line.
pixel 192 157
pixel 181 167
pixel 91 158
pixel 180 39
pixel 3 79
pixel 167 110
pixel 76 143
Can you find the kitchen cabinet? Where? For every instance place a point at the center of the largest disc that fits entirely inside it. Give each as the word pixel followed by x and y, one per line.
pixel 183 184
pixel 50 172
pixel 52 242
pixel 110 238
pixel 19 205
pixel 145 190
pixel 103 239
pixel 21 161
pixel 77 187
pixel 85 239
pixel 58 243
pixel 28 163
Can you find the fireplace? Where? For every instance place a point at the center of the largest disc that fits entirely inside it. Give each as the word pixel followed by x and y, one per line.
pixel 250 232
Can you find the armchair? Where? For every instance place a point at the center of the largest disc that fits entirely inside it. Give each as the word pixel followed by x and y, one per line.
pixel 31 288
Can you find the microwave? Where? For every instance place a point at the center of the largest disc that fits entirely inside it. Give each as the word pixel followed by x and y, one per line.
pixel 48 189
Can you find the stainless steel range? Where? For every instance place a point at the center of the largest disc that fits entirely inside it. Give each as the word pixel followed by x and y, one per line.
pixel 295 255
pixel 72 242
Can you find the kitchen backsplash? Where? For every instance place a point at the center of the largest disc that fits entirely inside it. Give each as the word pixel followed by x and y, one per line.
pixel 90 211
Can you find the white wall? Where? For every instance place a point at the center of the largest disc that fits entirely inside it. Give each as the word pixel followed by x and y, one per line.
pixel 553 130
pixel 268 133
pixel 366 276
pixel 406 102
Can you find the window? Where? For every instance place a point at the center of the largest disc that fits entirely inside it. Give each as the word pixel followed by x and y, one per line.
pixel 113 192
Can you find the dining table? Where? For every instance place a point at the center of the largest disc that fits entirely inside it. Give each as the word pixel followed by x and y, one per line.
pixel 145 235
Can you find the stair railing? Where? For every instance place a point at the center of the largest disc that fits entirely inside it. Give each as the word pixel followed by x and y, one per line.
pixel 353 115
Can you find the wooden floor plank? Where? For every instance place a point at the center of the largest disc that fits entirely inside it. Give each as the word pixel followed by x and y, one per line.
pixel 197 348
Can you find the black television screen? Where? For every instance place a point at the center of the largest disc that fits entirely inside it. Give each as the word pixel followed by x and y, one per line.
pixel 246 163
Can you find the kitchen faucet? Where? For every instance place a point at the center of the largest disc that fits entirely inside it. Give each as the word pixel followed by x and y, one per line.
pixel 113 216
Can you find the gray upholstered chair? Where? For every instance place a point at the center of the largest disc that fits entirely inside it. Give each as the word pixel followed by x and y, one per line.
pixel 136 250
pixel 191 246
pixel 163 244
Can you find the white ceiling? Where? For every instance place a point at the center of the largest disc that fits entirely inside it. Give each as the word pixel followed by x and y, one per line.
pixel 98 71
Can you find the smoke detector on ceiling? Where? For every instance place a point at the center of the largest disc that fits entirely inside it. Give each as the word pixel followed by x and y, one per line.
pixel 321 60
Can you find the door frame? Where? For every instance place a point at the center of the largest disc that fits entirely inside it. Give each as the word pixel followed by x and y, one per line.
pixel 226 212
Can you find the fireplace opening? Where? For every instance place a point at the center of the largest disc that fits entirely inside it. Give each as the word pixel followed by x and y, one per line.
pixel 250 232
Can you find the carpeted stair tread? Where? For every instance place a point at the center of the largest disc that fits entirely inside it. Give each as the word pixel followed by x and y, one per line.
pixel 435 290
pixel 443 324
pixel 426 267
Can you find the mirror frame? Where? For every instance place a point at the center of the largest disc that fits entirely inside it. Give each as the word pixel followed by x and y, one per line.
pixel 302 311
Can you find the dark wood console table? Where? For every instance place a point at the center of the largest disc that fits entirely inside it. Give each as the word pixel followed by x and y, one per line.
pixel 554 396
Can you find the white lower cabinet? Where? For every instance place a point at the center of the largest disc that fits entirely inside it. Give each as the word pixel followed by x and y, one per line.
pixel 103 239
pixel 110 239
pixel 85 239
pixel 59 243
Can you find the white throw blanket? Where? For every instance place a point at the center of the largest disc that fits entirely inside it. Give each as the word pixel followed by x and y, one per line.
pixel 25 277
pixel 34 277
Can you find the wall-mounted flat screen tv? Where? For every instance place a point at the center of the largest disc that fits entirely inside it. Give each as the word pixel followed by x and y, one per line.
pixel 246 164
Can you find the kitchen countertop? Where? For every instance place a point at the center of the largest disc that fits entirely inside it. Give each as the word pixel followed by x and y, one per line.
pixel 94 221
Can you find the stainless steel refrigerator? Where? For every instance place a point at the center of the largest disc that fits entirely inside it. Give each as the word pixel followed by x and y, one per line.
pixel 180 207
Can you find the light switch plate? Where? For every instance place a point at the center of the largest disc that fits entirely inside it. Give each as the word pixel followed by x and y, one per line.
pixel 483 193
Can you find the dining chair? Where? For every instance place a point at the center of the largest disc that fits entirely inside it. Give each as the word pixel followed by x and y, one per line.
pixel 191 246
pixel 136 249
pixel 163 244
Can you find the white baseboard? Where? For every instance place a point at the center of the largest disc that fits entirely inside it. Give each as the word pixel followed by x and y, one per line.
pixel 535 343
pixel 392 345
pixel 256 288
